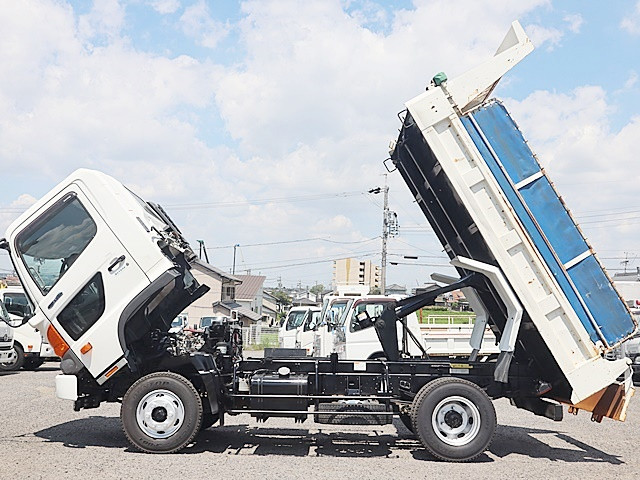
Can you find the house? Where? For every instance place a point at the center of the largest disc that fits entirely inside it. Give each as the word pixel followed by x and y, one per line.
pixel 303 302
pixel 270 308
pixel 395 289
pixel 248 299
pixel 222 288
pixel 245 315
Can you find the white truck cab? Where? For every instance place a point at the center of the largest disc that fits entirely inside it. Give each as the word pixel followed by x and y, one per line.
pixel 30 348
pixel 298 319
pixel 99 314
pixel 7 353
pixel 342 333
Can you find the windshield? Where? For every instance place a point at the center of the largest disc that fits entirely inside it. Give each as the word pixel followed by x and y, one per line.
pixel 336 310
pixel 50 245
pixel 208 321
pixel 295 319
pixel 17 303
pixel 313 321
pixel 177 322
pixel 17 298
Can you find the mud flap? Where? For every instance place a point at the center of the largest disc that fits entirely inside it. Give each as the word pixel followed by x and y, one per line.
pixel 208 371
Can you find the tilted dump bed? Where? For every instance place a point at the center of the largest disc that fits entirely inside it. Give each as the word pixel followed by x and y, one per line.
pixel 492 205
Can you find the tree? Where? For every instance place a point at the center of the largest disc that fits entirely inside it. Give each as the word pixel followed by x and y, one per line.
pixel 282 297
pixel 317 290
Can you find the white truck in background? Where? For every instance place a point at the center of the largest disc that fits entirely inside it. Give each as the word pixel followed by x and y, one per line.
pixel 30 348
pixel 297 321
pixel 339 330
pixel 7 353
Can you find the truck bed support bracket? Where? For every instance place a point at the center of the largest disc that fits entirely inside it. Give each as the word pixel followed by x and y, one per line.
pixel 514 312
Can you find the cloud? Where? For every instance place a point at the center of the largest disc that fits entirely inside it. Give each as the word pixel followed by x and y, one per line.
pixel 308 107
pixel 574 22
pixel 9 212
pixel 631 81
pixel 540 36
pixel 196 22
pixel 165 6
pixel 105 20
pixel 593 165
pixel 631 22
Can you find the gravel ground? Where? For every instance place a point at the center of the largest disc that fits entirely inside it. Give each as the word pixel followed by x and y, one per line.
pixel 42 437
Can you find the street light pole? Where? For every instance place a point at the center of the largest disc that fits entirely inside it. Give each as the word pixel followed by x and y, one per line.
pixel 233 272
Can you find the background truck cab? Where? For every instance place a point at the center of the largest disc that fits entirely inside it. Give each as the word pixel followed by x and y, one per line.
pixel 296 321
pixel 6 336
pixel 30 348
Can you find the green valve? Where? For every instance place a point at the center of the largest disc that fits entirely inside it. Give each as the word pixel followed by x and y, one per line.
pixel 439 78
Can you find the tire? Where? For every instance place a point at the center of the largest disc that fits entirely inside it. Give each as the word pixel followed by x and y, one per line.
pixel 161 413
pixel 17 362
pixel 377 356
pixel 32 363
pixel 454 419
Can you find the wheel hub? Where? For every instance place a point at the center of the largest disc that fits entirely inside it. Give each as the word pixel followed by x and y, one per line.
pixel 453 418
pixel 456 420
pixel 160 413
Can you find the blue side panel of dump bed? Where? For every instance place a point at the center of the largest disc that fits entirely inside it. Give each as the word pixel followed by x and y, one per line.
pixel 548 223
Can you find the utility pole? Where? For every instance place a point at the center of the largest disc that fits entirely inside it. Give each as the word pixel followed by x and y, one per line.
pixel 385 236
pixel 389 229
pixel 233 271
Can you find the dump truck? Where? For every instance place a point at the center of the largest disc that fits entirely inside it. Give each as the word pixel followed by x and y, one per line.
pixel 108 271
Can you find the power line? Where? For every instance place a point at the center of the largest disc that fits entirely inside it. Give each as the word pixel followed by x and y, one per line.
pixel 281 242
pixel 262 201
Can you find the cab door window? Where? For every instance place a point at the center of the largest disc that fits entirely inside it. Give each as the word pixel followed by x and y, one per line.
pixel 54 241
pixel 374 310
pixel 84 309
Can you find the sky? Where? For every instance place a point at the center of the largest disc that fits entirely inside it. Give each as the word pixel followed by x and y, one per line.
pixel 264 124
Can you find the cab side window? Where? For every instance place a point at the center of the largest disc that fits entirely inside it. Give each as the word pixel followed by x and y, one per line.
pixel 84 309
pixel 54 241
pixel 374 310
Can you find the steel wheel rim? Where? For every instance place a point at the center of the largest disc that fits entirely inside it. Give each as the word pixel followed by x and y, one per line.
pixel 160 414
pixel 456 421
pixel 12 360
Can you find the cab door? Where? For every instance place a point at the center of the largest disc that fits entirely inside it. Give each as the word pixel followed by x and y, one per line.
pixel 80 275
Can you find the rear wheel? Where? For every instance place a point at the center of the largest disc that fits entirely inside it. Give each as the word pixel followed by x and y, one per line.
pixel 161 413
pixel 16 361
pixel 454 419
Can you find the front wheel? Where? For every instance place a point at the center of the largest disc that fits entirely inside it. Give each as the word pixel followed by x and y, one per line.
pixel 161 413
pixel 454 419
pixel 17 360
pixel 32 363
